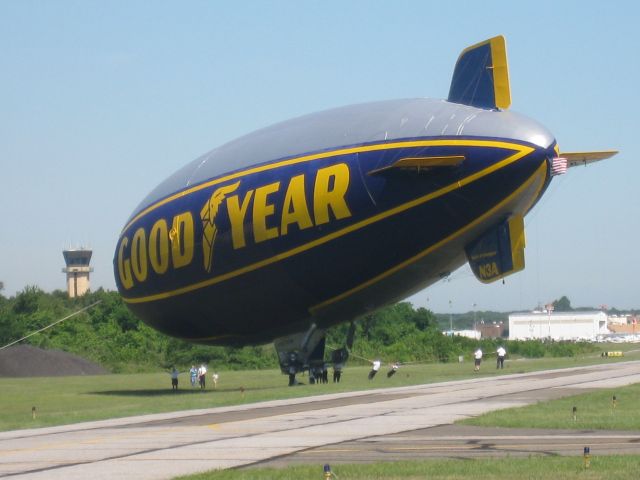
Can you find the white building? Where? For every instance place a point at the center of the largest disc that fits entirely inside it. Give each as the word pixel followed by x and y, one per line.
pixel 557 325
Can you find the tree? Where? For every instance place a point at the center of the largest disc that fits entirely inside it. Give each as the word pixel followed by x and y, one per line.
pixel 562 304
pixel 424 319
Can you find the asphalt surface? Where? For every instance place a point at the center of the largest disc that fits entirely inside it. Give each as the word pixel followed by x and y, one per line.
pixel 457 442
pixel 388 424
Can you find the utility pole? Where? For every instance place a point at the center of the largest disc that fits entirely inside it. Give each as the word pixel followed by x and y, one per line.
pixel 474 318
pixel 450 319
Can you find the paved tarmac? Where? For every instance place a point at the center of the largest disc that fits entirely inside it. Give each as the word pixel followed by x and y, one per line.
pixel 456 442
pixel 387 424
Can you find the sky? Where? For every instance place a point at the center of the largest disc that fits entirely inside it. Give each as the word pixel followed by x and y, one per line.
pixel 101 101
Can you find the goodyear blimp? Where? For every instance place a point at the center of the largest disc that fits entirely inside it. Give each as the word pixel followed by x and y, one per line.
pixel 314 221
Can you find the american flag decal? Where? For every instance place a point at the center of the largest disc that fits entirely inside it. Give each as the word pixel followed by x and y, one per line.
pixel 559 166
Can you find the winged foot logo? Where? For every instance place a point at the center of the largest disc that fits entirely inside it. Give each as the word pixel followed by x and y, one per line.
pixel 208 217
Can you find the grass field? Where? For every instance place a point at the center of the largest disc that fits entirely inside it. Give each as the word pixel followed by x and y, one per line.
pixel 64 400
pixel 617 467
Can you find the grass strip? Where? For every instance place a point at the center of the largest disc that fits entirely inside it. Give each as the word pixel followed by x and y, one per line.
pixel 531 468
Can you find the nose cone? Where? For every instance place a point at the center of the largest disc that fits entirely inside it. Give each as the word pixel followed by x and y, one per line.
pixel 533 132
pixel 463 120
pixel 508 124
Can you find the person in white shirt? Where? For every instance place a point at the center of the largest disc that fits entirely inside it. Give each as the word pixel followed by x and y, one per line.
pixel 501 352
pixel 202 376
pixel 478 359
pixel 375 366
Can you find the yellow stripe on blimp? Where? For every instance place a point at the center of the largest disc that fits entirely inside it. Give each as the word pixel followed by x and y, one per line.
pixel 539 175
pixel 501 85
pixel 520 152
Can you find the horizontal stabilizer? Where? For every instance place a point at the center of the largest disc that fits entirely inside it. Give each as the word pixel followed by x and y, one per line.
pixel 481 76
pixel 583 158
pixel 499 251
pixel 422 163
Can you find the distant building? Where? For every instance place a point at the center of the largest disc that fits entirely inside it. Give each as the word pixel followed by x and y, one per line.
pixel 620 319
pixel 491 330
pixel 77 271
pixel 475 334
pixel 623 324
pixel 557 325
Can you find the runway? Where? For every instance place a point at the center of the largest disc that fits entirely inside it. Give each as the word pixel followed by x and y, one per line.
pixel 453 441
pixel 386 424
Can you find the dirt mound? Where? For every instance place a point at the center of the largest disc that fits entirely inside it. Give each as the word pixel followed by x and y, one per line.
pixel 29 361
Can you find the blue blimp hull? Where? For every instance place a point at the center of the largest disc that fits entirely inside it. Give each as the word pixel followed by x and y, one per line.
pixel 323 218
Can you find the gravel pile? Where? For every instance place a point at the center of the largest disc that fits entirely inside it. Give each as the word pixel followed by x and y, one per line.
pixel 29 361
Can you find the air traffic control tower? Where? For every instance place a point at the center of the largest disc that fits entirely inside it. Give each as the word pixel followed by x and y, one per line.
pixel 77 271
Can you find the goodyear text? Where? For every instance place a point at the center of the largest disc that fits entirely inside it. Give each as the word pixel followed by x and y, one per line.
pixel 255 216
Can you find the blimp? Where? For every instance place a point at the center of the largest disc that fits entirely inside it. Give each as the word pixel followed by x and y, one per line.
pixel 289 230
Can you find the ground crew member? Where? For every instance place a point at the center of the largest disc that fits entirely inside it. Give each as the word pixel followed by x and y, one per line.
pixel 174 378
pixel 477 359
pixel 501 352
pixel 374 369
pixel 202 376
pixel 337 372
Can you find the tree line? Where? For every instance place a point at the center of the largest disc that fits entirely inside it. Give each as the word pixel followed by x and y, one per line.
pixel 109 334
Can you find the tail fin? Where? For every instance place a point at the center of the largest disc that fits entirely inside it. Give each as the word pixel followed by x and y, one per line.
pixel 481 76
pixel 583 158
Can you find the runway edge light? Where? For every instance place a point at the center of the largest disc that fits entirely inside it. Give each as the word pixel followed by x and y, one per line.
pixel 587 457
pixel 327 471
